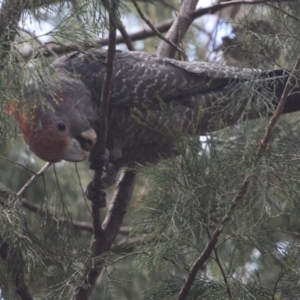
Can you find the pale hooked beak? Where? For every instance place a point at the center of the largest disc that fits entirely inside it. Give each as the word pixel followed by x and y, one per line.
pixel 88 139
pixel 80 146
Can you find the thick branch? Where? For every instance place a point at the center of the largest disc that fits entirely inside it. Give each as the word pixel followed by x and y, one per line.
pixel 142 34
pixel 104 101
pixel 99 242
pixel 243 188
pixel 126 37
pixel 178 29
pixel 118 206
pixel 111 226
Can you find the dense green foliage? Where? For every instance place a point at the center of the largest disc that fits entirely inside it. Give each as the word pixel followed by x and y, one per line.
pixel 178 203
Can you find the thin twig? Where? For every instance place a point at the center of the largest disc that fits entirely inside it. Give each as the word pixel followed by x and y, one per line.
pixel 155 29
pixel 176 264
pixel 280 276
pixel 239 279
pixel 57 183
pixel 127 244
pixel 105 97
pixel 75 224
pixel 284 12
pixel 220 267
pixel 17 164
pixel 82 189
pixel 80 225
pixel 99 242
pixel 32 179
pixel 33 36
pixel 243 188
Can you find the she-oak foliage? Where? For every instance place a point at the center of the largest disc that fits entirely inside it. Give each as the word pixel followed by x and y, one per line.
pixel 177 204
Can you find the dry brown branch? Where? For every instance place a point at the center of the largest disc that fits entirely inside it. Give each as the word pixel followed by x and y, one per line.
pixel 243 188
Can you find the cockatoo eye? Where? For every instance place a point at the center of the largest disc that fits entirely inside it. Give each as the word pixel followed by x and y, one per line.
pixel 61 126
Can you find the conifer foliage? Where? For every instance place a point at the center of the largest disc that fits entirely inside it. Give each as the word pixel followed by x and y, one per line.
pixel 218 220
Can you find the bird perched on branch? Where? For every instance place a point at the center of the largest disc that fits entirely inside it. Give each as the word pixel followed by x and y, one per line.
pixel 61 119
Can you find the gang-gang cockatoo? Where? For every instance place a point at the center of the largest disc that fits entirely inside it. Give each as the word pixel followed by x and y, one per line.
pixel 60 120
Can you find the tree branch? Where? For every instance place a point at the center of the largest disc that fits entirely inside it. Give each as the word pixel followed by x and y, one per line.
pixel 17 164
pixel 128 244
pixel 176 48
pixel 75 224
pixel 126 37
pixel 118 206
pixel 220 267
pixel 111 225
pixel 103 105
pixel 32 179
pixel 96 195
pixel 142 34
pixel 80 225
pixel 243 188
pixel 179 28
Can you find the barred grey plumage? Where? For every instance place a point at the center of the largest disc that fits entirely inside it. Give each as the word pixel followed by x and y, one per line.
pixel 193 95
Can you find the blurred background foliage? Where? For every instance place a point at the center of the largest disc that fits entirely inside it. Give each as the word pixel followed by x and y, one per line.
pixel 177 203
